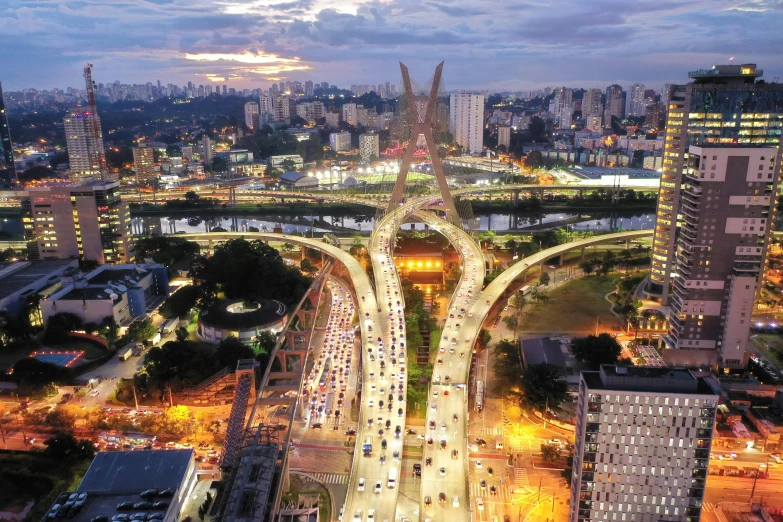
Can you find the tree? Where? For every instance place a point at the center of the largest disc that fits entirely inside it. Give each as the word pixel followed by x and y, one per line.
pixel 173 150
pixel 230 350
pixel 65 446
pixel 62 419
pixel 542 387
pixel 180 302
pixel 181 333
pixel 141 330
pixel 167 250
pixel 537 129
pixel 596 350
pixel 550 452
pixel 587 266
pixel 511 322
pixel 177 419
pixel 287 247
pixel 219 164
pixel 38 373
pixel 308 267
pixel 203 509
pixel 543 279
pixel 518 301
pixel 265 342
pixel 59 326
pixel 484 337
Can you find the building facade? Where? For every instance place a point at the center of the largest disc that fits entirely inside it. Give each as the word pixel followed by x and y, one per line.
pixel 84 140
pixel 615 104
pixel 6 146
pixel 723 106
pixel 340 141
pixel 207 150
pixel 591 102
pixel 637 102
pixel 466 121
pixel 504 136
pixel 642 446
pixel 727 209
pixel 350 114
pixel 285 108
pixel 80 221
pixel 251 109
pixel 369 147
pixel 144 165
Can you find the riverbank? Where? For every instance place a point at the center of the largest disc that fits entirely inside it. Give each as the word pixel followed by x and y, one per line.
pixel 288 209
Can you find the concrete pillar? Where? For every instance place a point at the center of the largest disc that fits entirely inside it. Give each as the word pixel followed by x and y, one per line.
pixel 582 253
pixel 516 198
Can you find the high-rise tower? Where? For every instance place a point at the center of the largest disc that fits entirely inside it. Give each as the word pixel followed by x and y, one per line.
pixel 83 136
pixel 6 147
pixel 466 124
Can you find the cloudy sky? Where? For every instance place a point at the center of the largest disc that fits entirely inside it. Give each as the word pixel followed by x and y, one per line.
pixel 494 44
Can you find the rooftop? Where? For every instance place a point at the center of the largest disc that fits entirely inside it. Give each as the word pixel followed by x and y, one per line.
pixel 235 314
pixel 598 172
pixel 16 276
pixel 542 350
pixel 746 70
pixel 646 379
pixel 135 471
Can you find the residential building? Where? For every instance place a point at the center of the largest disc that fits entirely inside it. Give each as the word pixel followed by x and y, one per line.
pixel 84 140
pixel 266 104
pixel 144 165
pixel 340 141
pixel 207 150
pixel 593 122
pixel 637 102
pixel 296 159
pixel 332 120
pixel 251 109
pixel 642 445
pixel 80 221
pixel 504 136
pixel 466 121
pixel 654 113
pixel 308 89
pixel 615 104
pixel 6 146
pixel 369 147
pixel 285 107
pixel 591 102
pixel 350 114
pixel 122 292
pixel 709 121
pixel 311 111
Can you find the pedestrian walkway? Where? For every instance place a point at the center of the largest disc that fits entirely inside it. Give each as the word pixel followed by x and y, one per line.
pixel 520 477
pixel 328 478
pixel 516 445
pixel 504 492
pixel 708 507
pixel 492 431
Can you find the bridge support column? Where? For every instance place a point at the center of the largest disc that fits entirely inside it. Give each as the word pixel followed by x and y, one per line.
pixel 627 244
pixel 582 253
pixel 304 252
pixel 516 198
pixel 285 477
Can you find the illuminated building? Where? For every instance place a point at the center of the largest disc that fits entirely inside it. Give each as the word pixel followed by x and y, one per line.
pixel 716 210
pixel 369 147
pixel 466 121
pixel 6 146
pixel 144 165
pixel 81 221
pixel 86 155
pixel 642 445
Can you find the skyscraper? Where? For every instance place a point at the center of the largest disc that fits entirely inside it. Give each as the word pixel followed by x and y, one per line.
pixel 350 114
pixel 86 221
pixel 637 102
pixel 251 109
pixel 466 121
pixel 504 136
pixel 308 89
pixel 144 165
pixel 285 107
pixel 6 146
pixel 615 104
pixel 265 104
pixel 86 155
pixel 642 447
pixel 716 209
pixel 207 150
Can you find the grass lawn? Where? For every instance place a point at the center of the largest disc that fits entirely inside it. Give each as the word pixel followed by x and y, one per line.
pixel 29 476
pixel 770 345
pixel 572 308
pixel 91 350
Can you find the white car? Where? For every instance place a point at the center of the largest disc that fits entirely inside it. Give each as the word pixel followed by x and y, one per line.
pixel 478 464
pixel 480 504
pixel 455 501
pixel 361 485
pixel 370 515
pixel 357 517
pixel 378 487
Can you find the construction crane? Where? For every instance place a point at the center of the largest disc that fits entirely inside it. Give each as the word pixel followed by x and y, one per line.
pixel 95 126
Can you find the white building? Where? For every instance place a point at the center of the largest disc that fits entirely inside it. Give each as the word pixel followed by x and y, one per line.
pixel 207 150
pixel 591 102
pixel 266 103
pixel 340 141
pixel 643 439
pixel 277 161
pixel 467 121
pixel 637 103
pixel 251 109
pixel 504 136
pixel 593 122
pixel 332 119
pixel 369 147
pixel 310 111
pixel 350 114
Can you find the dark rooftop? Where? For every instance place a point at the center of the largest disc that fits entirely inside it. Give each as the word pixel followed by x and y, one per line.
pixel 14 281
pixel 744 71
pixel 646 379
pixel 115 274
pixel 135 471
pixel 542 350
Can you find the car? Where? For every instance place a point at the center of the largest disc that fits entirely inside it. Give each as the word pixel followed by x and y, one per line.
pixel 428 461
pixel 443 444
pixel 144 504
pixel 148 493
pixel 490 471
pixel 483 484
pixel 427 501
pixel 481 442
pixel 350 433
pixel 382 460
pixel 455 501
pixel 733 456
pixel 442 426
pixel 138 516
pixel 357 516
pixel 120 517
pixel 411 431
pixel 53 512
pixel 441 498
pixel 442 471
pixel 480 504
pixel 124 506
pixel 370 515
pixel 432 424
pixel 160 504
pixel 81 499
pixel 454 454
pixel 396 455
pixel 384 444
pixel 429 441
pixel 478 463
pixel 317 426
pixel 360 487
pixel 417 470
pixel 775 457
pixel 493 490
pixel 455 417
pixel 156 516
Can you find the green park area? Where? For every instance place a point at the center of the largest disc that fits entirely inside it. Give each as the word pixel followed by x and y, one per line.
pixel 574 308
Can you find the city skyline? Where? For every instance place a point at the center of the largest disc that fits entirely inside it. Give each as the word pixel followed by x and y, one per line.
pixel 517 45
